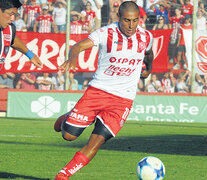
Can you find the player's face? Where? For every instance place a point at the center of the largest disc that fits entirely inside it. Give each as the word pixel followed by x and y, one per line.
pixel 7 17
pixel 128 22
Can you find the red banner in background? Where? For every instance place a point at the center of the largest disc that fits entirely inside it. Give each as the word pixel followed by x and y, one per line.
pixel 160 50
pixel 51 50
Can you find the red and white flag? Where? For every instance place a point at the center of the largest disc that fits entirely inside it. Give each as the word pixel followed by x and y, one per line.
pixel 201 52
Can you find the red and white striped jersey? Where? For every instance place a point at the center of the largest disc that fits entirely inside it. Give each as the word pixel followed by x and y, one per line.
pixel 85 25
pixel 176 22
pixel 120 59
pixel 90 16
pixel 76 27
pixel 45 23
pixel 167 86
pixel 32 14
pixel 7 36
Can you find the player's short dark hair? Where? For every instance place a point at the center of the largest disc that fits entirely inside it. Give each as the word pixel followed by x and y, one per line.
pixel 7 4
pixel 128 5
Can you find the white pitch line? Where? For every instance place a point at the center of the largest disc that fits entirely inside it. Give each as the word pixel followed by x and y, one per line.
pixel 26 136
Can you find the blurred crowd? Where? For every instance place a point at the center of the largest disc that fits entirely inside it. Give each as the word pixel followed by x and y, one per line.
pixel 46 16
pixel 166 82
pixel 49 16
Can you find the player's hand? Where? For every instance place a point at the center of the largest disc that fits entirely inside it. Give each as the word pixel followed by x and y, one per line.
pixel 36 61
pixel 68 66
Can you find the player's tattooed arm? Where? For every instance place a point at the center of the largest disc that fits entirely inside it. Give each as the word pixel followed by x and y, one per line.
pixel 148 61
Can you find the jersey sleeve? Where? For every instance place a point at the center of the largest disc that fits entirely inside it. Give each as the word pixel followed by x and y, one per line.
pixel 96 36
pixel 149 40
pixel 13 27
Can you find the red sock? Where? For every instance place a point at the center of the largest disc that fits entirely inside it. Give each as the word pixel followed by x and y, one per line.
pixel 78 162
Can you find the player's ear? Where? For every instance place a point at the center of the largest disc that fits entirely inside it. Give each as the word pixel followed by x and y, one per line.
pixel 119 16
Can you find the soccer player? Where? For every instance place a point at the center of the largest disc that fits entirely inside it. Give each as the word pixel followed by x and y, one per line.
pixel 8 9
pixel 123 46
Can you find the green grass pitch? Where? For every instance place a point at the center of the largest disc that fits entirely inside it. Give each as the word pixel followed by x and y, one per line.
pixel 31 149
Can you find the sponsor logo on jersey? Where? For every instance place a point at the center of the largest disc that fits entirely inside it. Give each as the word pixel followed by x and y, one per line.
pixel 7 37
pixel 77 116
pixel 125 60
pixel 115 70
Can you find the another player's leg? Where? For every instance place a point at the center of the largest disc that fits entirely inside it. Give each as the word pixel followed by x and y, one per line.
pixel 99 136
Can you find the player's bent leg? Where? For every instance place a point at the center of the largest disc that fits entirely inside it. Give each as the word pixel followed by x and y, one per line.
pixel 99 136
pixel 100 129
pixel 93 145
pixel 68 137
pixel 70 132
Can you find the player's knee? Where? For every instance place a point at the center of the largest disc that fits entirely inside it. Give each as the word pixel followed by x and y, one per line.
pixel 70 132
pixel 68 137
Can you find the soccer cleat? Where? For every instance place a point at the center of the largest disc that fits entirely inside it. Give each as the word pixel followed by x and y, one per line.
pixel 61 176
pixel 57 125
